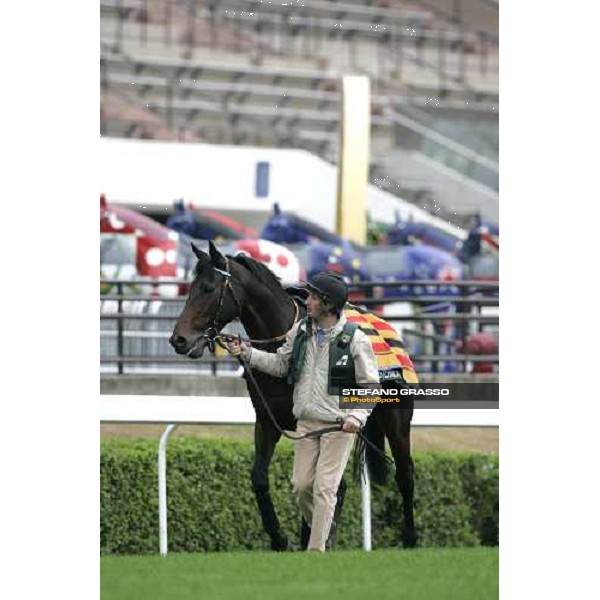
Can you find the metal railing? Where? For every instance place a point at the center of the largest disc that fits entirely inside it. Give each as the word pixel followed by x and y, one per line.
pixel 194 104
pixel 434 318
pixel 445 150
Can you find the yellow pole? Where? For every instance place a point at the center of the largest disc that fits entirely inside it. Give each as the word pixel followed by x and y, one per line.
pixel 353 167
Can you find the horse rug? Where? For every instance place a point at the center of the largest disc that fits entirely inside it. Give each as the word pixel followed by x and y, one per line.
pixel 388 347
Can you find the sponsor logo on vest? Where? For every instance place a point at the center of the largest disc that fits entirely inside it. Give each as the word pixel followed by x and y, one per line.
pixel 390 374
pixel 342 361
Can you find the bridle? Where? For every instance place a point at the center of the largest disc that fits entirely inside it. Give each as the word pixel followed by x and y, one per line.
pixel 211 333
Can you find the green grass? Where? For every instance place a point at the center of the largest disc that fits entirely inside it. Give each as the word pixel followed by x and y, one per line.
pixel 424 574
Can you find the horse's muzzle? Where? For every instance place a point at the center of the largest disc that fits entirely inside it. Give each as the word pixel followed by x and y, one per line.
pixel 197 350
pixel 182 346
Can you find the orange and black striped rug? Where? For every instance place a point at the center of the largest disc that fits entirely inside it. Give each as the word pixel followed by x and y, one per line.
pixel 386 342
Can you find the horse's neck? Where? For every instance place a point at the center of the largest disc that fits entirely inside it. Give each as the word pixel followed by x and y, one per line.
pixel 266 315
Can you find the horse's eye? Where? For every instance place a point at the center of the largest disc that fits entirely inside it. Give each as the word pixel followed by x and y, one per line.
pixel 203 288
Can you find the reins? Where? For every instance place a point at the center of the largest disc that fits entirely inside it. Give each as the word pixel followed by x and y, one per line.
pixel 211 331
pixel 212 335
pixel 281 337
pixel 222 340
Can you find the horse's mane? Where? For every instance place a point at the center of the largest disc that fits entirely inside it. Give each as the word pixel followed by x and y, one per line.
pixel 261 272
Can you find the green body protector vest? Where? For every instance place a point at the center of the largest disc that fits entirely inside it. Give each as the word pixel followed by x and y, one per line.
pixel 341 363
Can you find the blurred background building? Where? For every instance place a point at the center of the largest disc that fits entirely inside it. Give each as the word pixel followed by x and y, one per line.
pixel 220 119
pixel 268 74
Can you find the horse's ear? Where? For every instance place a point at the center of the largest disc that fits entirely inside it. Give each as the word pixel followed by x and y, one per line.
pixel 217 259
pixel 200 255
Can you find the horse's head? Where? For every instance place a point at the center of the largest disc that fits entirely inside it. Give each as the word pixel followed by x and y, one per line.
pixel 211 304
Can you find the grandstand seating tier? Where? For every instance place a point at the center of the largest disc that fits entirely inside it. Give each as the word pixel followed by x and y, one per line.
pixel 179 70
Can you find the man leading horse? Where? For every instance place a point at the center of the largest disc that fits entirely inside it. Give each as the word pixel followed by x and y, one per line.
pixel 322 353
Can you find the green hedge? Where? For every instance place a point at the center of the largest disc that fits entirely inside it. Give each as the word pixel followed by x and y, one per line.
pixel 211 505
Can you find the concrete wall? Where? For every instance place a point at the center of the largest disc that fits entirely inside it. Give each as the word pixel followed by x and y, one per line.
pixel 194 385
pixel 144 173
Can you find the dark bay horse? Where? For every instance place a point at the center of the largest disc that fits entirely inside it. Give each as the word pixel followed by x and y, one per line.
pixel 226 288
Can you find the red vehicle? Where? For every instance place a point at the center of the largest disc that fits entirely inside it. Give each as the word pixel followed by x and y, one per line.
pixel 155 246
pixel 134 245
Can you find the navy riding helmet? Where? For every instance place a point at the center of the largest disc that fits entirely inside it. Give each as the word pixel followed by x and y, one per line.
pixel 330 286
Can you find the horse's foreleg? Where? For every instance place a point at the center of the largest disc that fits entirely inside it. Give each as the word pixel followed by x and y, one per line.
pixel 396 426
pixel 405 482
pixel 304 534
pixel 265 439
pixel 405 478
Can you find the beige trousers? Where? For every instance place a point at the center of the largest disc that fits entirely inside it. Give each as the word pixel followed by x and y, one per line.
pixel 319 464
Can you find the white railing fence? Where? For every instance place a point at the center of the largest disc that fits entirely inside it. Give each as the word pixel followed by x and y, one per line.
pixel 192 410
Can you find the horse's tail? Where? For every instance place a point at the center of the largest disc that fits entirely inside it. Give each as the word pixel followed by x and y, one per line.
pixel 376 461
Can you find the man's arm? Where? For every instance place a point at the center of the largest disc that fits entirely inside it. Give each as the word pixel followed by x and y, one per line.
pixel 275 363
pixel 365 370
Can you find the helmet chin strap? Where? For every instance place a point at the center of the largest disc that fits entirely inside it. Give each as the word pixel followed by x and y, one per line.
pixel 328 306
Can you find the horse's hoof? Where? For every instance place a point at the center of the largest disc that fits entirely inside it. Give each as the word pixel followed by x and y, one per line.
pixel 410 538
pixel 281 545
pixel 304 535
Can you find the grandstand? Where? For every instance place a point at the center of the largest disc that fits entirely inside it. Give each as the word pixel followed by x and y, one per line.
pixel 254 73
pixel 254 124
